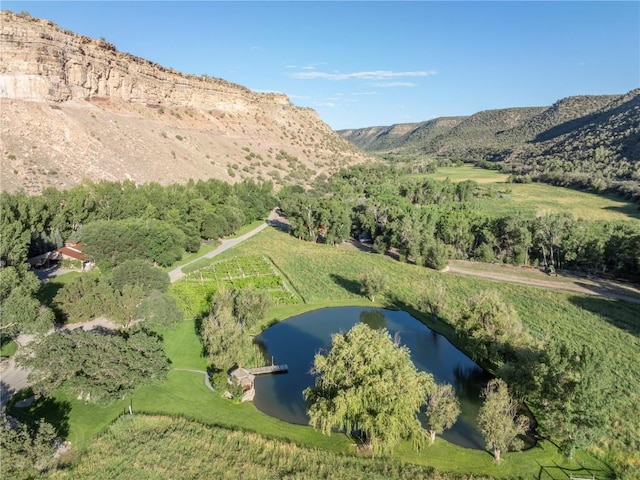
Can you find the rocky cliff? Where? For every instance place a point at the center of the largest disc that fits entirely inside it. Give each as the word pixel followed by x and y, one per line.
pixel 72 107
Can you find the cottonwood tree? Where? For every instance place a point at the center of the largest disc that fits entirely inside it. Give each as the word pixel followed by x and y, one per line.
pixel 20 311
pixel 113 242
pixel 99 366
pixel 491 325
pixel 433 297
pixel 498 420
pixel 443 409
pixel 436 255
pixel 368 385
pixel 140 273
pixel 159 309
pixel 373 283
pixel 223 330
pixel 87 297
pixel 571 391
pixel 26 451
pixel 250 305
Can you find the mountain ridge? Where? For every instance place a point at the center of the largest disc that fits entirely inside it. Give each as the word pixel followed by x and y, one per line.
pixel 584 141
pixel 73 107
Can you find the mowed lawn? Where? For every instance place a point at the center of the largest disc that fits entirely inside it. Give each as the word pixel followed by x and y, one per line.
pixel 533 199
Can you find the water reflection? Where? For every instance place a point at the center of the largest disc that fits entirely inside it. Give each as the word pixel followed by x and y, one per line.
pixel 295 341
pixel 374 319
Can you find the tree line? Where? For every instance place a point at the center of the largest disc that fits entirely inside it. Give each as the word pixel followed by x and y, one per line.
pixel 31 225
pixel 564 384
pixel 427 222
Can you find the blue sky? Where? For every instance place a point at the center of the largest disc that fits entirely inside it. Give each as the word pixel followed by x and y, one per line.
pixel 361 64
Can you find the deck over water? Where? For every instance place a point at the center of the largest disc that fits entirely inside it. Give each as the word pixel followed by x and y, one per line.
pixel 269 369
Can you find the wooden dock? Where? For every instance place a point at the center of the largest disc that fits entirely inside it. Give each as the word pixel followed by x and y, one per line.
pixel 268 369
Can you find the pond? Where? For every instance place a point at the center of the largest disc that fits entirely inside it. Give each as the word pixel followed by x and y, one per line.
pixel 296 340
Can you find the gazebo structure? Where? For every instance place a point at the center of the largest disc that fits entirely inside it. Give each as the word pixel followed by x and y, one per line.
pixel 245 379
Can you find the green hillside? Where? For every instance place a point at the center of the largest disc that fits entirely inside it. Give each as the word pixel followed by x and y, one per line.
pixel 590 142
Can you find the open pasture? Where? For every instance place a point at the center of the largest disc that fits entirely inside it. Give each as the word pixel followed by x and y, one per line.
pixel 531 199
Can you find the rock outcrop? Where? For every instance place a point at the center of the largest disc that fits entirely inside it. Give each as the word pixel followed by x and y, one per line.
pixel 72 107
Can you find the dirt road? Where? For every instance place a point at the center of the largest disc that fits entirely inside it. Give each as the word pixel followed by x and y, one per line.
pixel 565 282
pixel 225 245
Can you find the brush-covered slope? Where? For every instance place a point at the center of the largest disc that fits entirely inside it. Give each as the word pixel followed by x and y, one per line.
pixel 586 141
pixel 72 107
pixel 405 136
pixel 600 150
pixel 476 136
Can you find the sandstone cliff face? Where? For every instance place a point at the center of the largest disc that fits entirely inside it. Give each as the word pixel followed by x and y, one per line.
pixel 72 107
pixel 40 61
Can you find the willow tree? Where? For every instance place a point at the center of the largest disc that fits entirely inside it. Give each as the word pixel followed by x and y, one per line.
pixel 443 409
pixel 367 385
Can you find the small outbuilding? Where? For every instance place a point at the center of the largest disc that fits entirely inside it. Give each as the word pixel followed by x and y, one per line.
pixel 245 379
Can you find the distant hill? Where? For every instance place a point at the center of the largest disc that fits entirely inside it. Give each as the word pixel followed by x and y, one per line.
pixel 587 141
pixel 73 107
pixel 400 136
pixel 476 137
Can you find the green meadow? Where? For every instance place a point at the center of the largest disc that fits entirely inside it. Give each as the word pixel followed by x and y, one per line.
pixel 321 276
pixel 533 199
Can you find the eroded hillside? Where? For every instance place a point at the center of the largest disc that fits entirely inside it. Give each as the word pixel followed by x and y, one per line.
pixel 72 107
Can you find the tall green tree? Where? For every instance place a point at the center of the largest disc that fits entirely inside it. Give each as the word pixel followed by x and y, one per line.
pixel 20 311
pixel 223 330
pixel 26 451
pixel 373 283
pixel 159 309
pixel 250 305
pixel 114 242
pixel 368 384
pixel 571 392
pixel 87 297
pixel 433 297
pixel 443 409
pixel 491 325
pixel 140 273
pixel 498 420
pixel 100 367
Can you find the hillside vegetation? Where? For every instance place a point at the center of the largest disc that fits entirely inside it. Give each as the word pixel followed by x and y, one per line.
pixel 74 107
pixel 590 142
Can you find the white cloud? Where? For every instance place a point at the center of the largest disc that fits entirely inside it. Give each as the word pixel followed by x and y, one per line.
pixel 366 93
pixel 394 84
pixel 325 104
pixel 372 75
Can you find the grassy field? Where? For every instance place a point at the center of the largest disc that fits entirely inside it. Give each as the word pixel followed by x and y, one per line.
pixel 139 447
pixel 49 289
pixel 326 276
pixel 8 347
pixel 466 172
pixel 188 257
pixel 538 198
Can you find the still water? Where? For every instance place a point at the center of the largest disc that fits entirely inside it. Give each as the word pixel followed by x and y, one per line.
pixel 296 340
